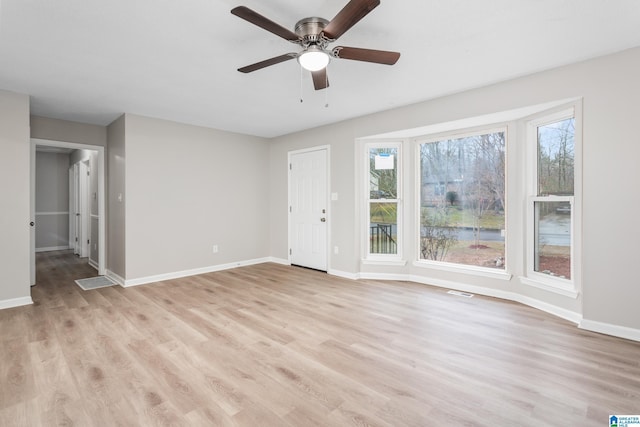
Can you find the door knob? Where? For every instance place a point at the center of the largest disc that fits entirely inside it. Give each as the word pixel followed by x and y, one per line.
pixel 32 223
pixel 323 220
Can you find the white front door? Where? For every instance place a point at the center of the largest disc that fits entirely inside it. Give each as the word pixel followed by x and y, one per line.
pixel 308 217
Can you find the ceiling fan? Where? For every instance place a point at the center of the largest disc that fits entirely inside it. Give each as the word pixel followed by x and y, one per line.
pixel 314 36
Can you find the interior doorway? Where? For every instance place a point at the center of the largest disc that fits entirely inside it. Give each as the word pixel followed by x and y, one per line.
pixel 308 208
pixel 84 217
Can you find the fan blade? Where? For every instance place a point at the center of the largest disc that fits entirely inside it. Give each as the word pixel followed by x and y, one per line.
pixel 265 23
pixel 367 55
pixel 267 62
pixel 320 80
pixel 354 11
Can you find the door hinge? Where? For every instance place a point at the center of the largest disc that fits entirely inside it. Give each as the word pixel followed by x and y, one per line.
pixel 88 241
pixel 290 209
pixel 290 166
pixel 76 239
pixel 289 251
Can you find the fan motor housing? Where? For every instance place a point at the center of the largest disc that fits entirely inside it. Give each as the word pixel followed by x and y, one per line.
pixel 309 30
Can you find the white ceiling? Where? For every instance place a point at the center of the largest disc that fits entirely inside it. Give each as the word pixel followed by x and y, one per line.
pixel 92 60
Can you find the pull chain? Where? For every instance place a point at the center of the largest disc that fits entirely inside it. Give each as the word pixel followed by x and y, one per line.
pixel 326 90
pixel 301 99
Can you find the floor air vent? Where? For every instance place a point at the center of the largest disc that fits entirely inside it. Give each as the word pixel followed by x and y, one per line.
pixel 461 294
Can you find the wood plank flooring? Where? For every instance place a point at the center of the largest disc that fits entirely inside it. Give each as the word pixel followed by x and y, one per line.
pixel 271 345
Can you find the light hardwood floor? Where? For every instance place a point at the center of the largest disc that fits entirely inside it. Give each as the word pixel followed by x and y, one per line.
pixel 270 345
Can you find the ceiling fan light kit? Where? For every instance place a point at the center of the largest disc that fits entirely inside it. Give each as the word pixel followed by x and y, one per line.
pixel 313 59
pixel 314 36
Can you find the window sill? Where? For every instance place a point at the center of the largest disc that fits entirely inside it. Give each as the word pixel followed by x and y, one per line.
pixel 379 261
pixel 464 269
pixel 559 288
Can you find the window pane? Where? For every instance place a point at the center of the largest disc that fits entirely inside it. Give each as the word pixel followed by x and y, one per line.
pixel 556 157
pixel 462 199
pixel 383 228
pixel 383 173
pixel 552 253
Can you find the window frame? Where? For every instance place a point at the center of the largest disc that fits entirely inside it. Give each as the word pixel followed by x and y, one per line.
pixel 502 274
pixel 380 258
pixel 567 287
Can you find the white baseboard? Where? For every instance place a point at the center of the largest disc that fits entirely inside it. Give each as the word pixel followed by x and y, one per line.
pixel 344 274
pixel 569 315
pixel 281 261
pixel 479 290
pixel 53 248
pixel 116 278
pixel 609 329
pixel 15 302
pixel 448 284
pixel 385 276
pixel 93 264
pixel 193 272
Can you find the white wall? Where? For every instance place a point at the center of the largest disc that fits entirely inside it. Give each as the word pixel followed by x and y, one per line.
pixel 610 92
pixel 14 199
pixel 52 201
pixel 189 188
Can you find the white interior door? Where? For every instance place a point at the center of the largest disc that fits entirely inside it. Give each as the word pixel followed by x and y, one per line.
pixel 83 205
pixel 75 243
pixel 308 217
pixel 72 209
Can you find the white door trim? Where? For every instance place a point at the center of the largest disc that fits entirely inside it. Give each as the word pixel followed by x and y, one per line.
pixel 327 149
pixel 32 207
pixel 102 221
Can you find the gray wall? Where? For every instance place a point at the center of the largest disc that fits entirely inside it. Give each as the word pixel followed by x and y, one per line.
pixel 610 91
pixel 52 201
pixel 188 188
pixel 63 130
pixel 116 227
pixel 14 199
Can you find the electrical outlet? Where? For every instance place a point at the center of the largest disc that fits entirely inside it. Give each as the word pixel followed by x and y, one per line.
pixel 215 249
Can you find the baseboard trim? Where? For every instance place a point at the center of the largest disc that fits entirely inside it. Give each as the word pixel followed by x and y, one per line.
pixel 280 261
pixel 479 290
pixel 562 313
pixel 449 284
pixel 15 302
pixel 609 329
pixel 93 264
pixel 385 276
pixel 53 248
pixel 344 274
pixel 186 273
pixel 116 278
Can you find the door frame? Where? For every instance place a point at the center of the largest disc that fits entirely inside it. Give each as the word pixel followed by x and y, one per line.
pixel 102 220
pixel 327 150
